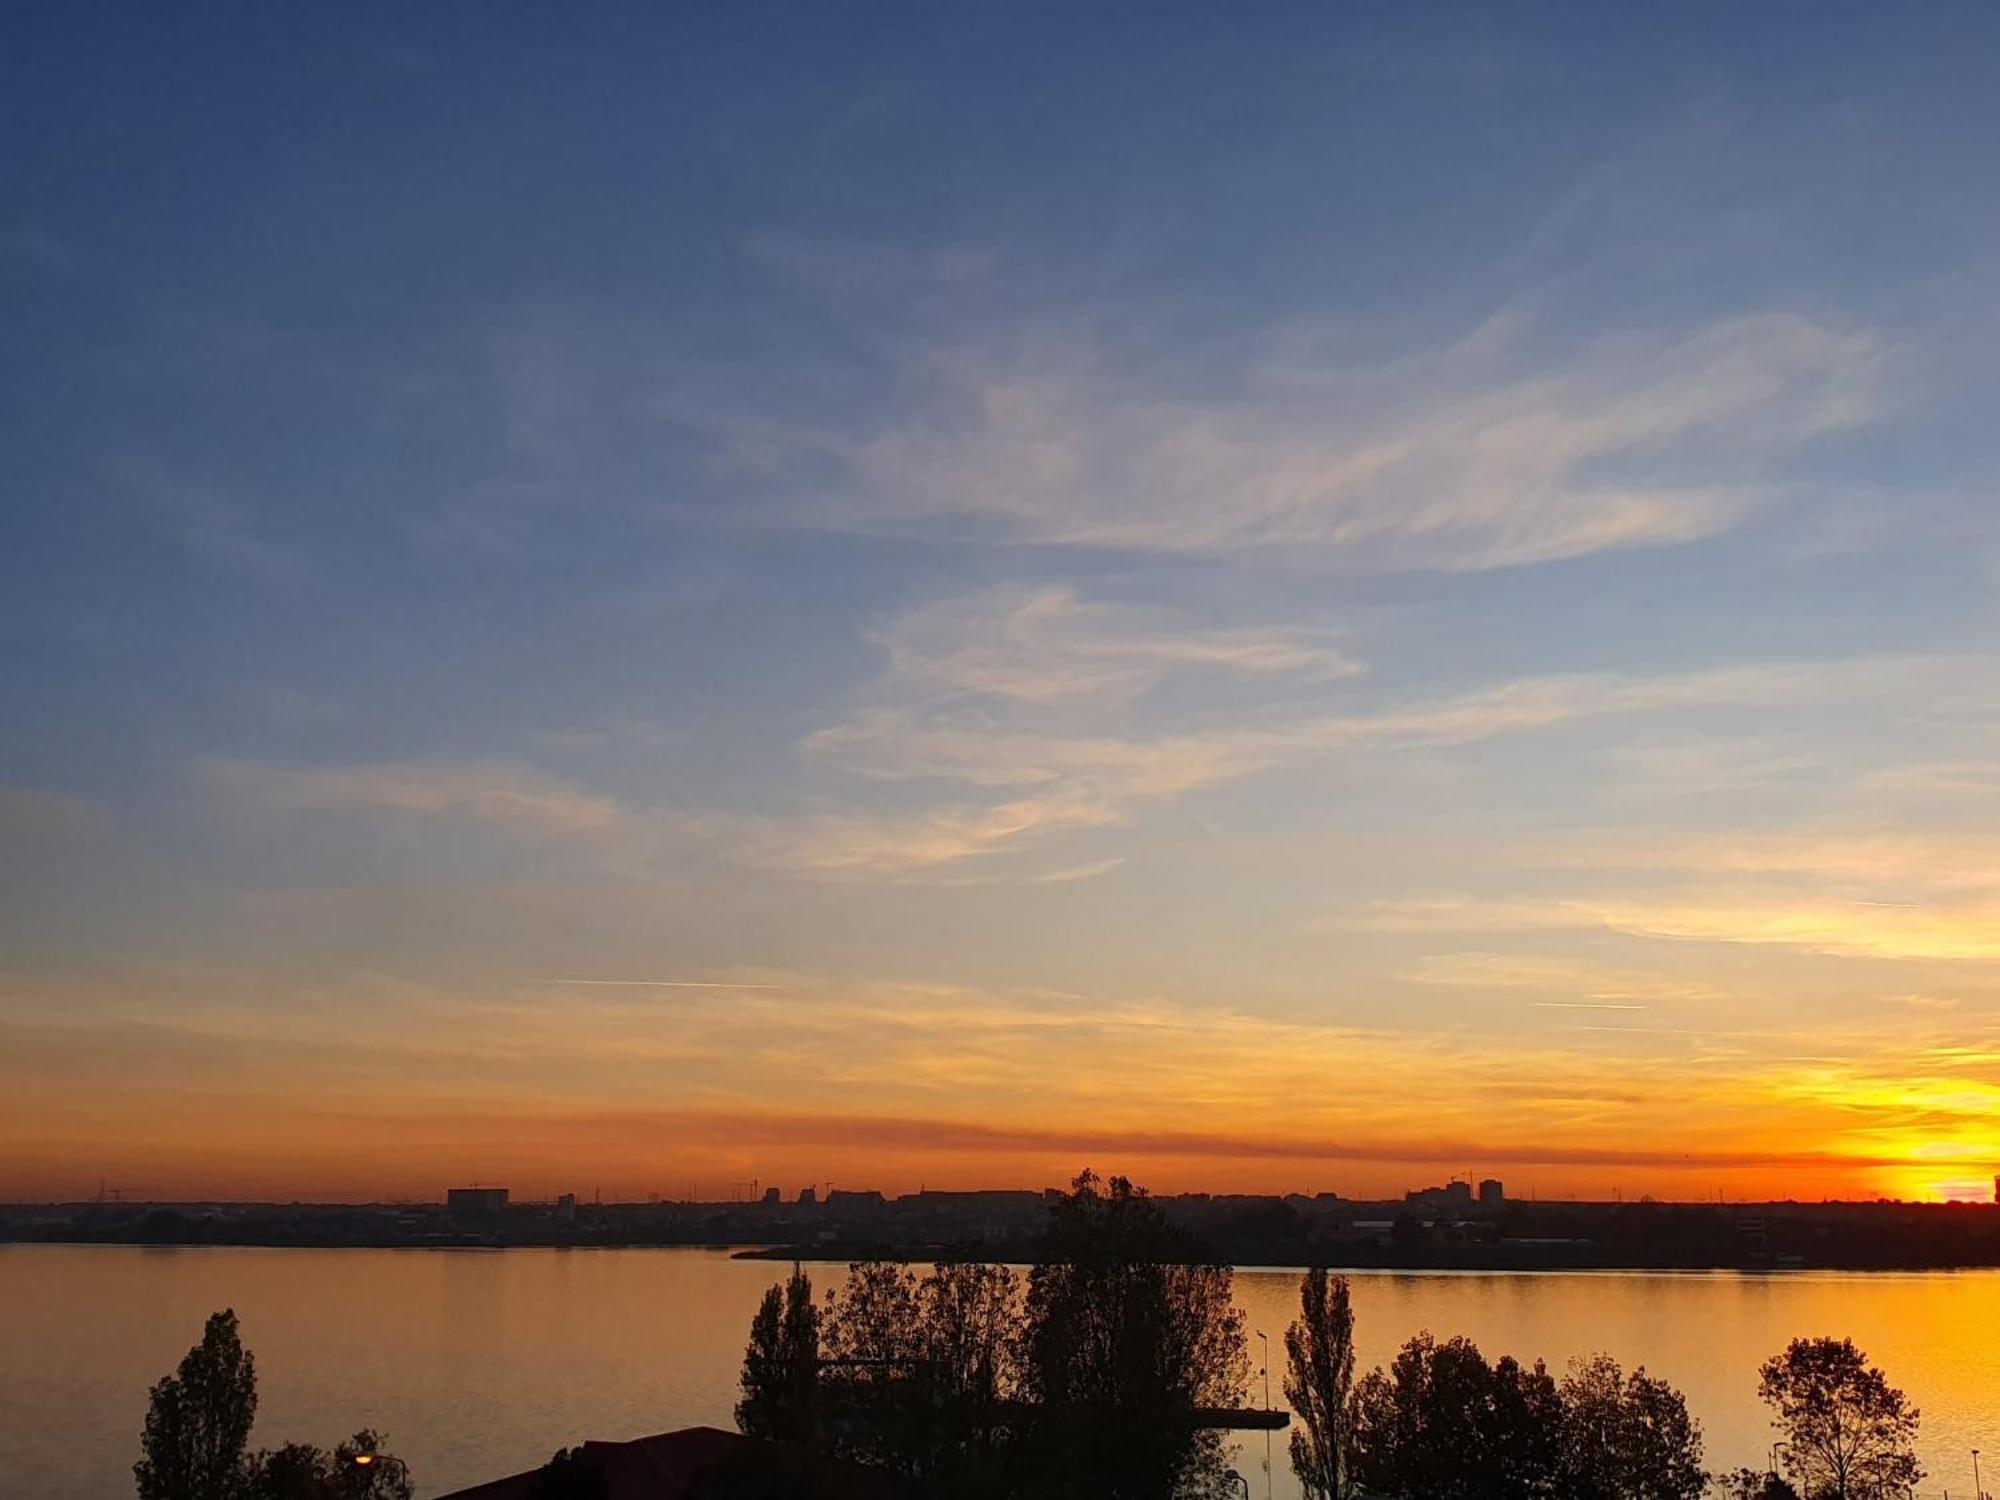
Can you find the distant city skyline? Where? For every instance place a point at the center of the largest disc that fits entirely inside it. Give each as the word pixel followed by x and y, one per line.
pixel 1298 599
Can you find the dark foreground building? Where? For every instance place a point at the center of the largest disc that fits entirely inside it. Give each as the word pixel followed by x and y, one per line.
pixel 703 1463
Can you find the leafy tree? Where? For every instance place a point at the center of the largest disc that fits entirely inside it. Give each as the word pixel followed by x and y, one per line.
pixel 359 1469
pixel 1849 1434
pixel 569 1475
pixel 198 1420
pixel 873 1321
pixel 780 1380
pixel 970 1312
pixel 1754 1484
pixel 297 1471
pixel 1523 1429
pixel 1127 1330
pixel 364 1470
pixel 969 1309
pixel 1627 1437
pixel 1443 1424
pixel 873 1384
pixel 916 1368
pixel 1319 1352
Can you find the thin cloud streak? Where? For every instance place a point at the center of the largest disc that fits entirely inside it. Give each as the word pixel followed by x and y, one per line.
pixel 504 795
pixel 1057 781
pixel 1482 455
pixel 664 984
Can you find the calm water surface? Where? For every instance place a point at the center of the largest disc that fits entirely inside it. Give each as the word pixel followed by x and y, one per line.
pixel 479 1363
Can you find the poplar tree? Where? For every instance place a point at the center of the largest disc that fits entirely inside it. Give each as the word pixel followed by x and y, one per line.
pixel 198 1420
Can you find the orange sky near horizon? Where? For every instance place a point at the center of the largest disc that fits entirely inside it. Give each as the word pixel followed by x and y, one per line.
pixel 399 1093
pixel 694 598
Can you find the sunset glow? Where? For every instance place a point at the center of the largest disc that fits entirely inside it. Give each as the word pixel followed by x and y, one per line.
pixel 1191 602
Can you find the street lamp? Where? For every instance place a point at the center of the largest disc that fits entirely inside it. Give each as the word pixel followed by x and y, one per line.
pixel 1774 1457
pixel 1978 1491
pixel 1266 1342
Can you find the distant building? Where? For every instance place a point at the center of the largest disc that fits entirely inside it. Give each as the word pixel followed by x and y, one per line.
pixel 808 1197
pixel 771 1197
pixel 1491 1193
pixel 475 1200
pixel 566 1207
pixel 1453 1195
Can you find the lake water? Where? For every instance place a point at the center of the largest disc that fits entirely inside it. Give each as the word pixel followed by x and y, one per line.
pixel 480 1363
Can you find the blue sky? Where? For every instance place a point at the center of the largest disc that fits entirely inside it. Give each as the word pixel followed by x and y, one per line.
pixel 1442 542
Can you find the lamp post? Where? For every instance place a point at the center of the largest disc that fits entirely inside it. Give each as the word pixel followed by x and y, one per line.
pixel 1978 1491
pixel 1266 1342
pixel 1774 1457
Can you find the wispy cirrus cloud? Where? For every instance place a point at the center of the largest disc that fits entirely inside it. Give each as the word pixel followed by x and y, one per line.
pixel 905 844
pixel 1488 453
pixel 506 796
pixel 1039 777
pixel 216 527
pixel 1807 920
pixel 1046 645
pixel 1573 979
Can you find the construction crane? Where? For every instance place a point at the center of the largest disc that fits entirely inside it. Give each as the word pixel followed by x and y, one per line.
pixel 753 1184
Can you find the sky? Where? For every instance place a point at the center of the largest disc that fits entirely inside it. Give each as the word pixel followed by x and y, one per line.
pixel 640 599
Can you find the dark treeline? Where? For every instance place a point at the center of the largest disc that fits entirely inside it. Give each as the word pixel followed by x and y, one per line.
pixel 1113 1366
pixel 1244 1229
pixel 196 1443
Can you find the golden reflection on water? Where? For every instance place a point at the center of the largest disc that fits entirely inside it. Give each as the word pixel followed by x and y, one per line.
pixel 478 1363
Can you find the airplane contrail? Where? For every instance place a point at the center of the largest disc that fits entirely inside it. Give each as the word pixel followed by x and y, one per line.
pixel 669 984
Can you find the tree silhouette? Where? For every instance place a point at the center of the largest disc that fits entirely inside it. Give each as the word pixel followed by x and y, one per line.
pixel 364 1470
pixel 1319 1380
pixel 1849 1434
pixel 969 1309
pixel 874 1386
pixel 1627 1437
pixel 916 1368
pixel 198 1420
pixel 1443 1424
pixel 296 1471
pixel 1127 1331
pixel 780 1380
pixel 198 1424
pixel 1754 1484
pixel 359 1469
